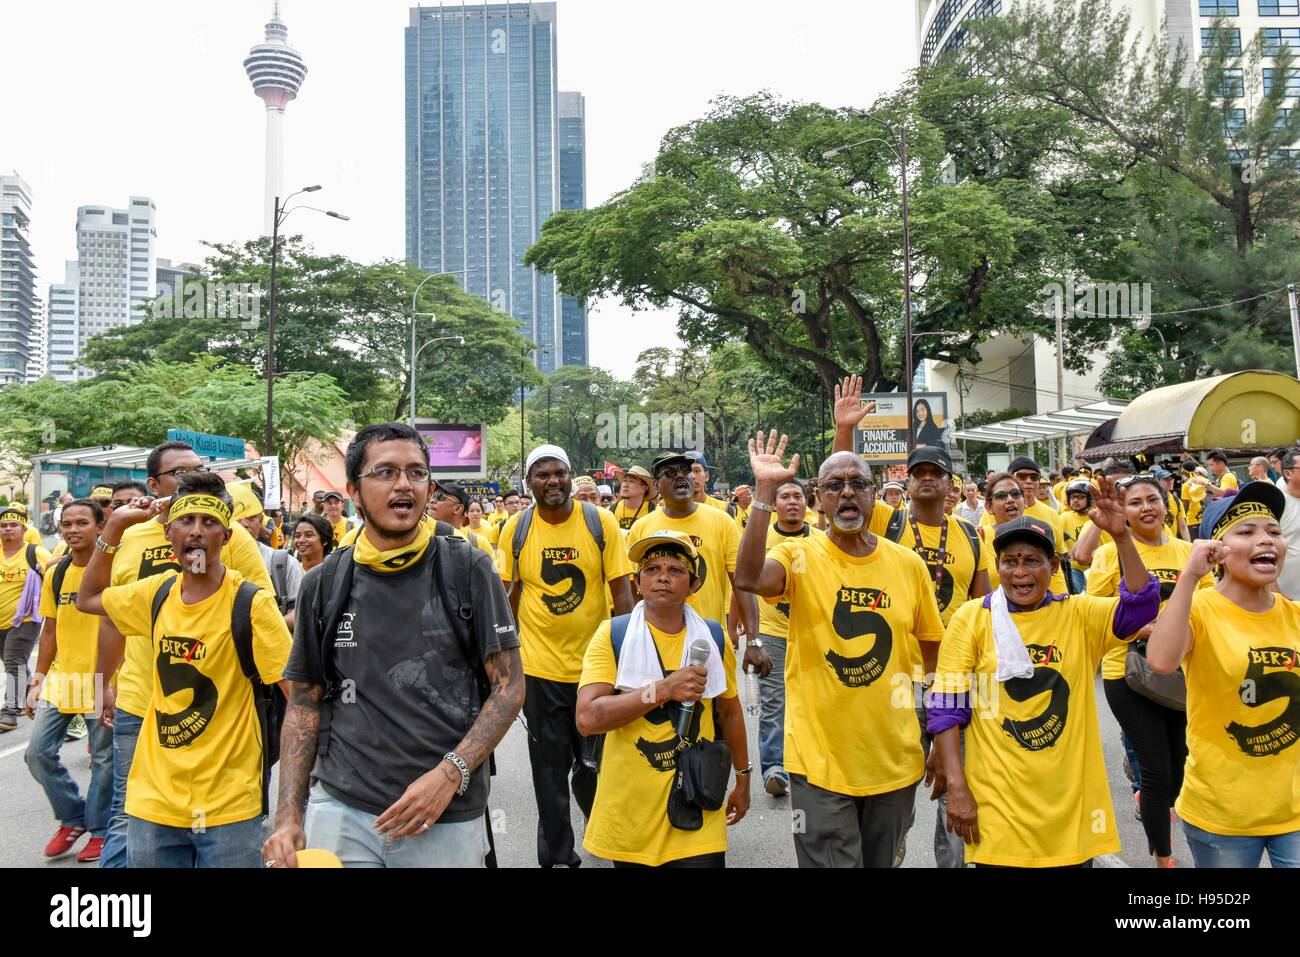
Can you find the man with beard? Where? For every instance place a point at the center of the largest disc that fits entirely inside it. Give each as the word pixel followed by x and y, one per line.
pixel 716 536
pixel 556 566
pixel 848 411
pixel 146 550
pixel 857 603
pixel 405 674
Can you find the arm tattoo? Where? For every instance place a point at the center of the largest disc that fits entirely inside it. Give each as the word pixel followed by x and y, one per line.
pixel 298 750
pixel 505 670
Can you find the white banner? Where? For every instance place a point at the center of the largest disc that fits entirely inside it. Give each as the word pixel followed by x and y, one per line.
pixel 271 481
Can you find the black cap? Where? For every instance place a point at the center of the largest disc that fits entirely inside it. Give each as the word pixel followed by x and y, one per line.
pixel 933 454
pixel 332 494
pixel 455 491
pixel 669 458
pixel 1025 528
pixel 1023 464
pixel 1254 499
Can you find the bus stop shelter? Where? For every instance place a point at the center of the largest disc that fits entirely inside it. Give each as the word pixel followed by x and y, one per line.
pixel 1046 426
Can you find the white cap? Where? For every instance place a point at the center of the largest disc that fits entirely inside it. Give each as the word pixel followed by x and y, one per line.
pixel 546 452
pixel 604 490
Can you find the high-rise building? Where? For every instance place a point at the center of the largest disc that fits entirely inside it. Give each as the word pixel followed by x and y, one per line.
pixel 37 344
pixel 169 277
pixel 63 327
pixel 115 259
pixel 276 71
pixel 483 164
pixel 573 195
pixel 17 279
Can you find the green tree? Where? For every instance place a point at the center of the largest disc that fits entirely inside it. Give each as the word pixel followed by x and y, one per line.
pixel 348 320
pixel 577 401
pixel 503 445
pixel 137 404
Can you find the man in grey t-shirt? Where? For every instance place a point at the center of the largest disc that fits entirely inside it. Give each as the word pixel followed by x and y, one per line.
pixel 396 759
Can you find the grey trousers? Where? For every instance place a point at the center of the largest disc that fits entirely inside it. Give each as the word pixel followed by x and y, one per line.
pixel 839 830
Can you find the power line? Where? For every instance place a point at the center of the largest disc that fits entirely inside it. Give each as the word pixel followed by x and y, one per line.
pixel 1222 305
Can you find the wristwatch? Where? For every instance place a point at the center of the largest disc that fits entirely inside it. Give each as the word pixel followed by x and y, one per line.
pixel 762 506
pixel 754 642
pixel 106 548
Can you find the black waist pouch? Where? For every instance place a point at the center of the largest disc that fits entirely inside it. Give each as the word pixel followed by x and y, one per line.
pixel 700 783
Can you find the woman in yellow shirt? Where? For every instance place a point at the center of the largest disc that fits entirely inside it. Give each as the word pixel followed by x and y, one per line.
pixel 1158 734
pixel 1238 643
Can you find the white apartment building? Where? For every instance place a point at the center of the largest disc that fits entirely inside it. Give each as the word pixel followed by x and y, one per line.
pixel 17 279
pixel 63 330
pixel 115 266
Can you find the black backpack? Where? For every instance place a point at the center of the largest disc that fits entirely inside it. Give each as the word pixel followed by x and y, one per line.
pixel 34 562
pixel 267 699
pixel 453 564
pixel 60 572
pixel 279 570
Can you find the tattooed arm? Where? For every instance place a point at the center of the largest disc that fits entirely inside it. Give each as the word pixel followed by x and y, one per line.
pixel 297 756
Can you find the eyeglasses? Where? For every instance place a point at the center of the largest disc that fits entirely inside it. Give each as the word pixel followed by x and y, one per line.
pixel 387 474
pixel 1008 493
pixel 183 470
pixel 672 472
pixel 836 487
pixel 1128 480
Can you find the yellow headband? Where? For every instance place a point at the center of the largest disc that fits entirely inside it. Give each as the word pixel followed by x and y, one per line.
pixel 1241 513
pixel 101 491
pixel 13 515
pixel 195 504
pixel 667 549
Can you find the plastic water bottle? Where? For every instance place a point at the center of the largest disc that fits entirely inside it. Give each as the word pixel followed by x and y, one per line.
pixel 752 704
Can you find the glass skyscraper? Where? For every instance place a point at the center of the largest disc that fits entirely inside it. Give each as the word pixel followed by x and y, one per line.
pixel 484 159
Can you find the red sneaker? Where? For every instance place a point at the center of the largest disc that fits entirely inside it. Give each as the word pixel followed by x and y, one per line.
pixel 90 853
pixel 63 841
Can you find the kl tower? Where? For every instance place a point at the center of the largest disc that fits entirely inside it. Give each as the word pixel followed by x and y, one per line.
pixel 276 71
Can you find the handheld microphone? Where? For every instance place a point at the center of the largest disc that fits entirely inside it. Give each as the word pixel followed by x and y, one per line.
pixel 697 656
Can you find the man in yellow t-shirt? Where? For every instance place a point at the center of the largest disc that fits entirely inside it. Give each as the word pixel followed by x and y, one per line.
pixel 333 504
pixel 634 497
pixel 1074 517
pixel 1224 480
pixel 857 602
pixel 64 687
pixel 639 714
pixel 195 792
pixel 145 550
pixel 19 619
pixel 449 504
pixel 739 508
pixel 1031 788
pixel 557 587
pixel 1175 512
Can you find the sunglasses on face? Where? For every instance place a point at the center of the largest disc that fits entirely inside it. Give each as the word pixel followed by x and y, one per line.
pixel 1008 493
pixel 836 487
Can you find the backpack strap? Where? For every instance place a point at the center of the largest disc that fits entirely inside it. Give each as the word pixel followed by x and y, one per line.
pixel 331 602
pixel 241 629
pixel 618 633
pixel 972 538
pixel 159 597
pixel 522 526
pixel 894 530
pixel 279 578
pixel 591 513
pixel 454 561
pixel 33 561
pixel 60 571
pixel 443 528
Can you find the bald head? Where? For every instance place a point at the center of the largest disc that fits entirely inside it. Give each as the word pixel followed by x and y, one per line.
pixel 842 461
pixel 1259 468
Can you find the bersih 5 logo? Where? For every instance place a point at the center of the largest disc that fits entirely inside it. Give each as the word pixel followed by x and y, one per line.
pixel 76 910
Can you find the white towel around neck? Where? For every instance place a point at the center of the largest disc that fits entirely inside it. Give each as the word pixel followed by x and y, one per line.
pixel 1013 657
pixel 638 662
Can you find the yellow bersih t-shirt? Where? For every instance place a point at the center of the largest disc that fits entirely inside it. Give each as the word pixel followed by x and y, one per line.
pixel 564 596
pixel 144 551
pixel 774 620
pixel 717 538
pixel 1243 718
pixel 848 657
pixel 1166 562
pixel 627 517
pixel 959 562
pixel 70 684
pixel 13 579
pixel 486 531
pixel 1033 749
pixel 629 818
pixel 1072 524
pixel 198 761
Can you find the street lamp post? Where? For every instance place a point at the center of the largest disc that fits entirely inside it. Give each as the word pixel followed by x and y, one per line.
pixel 900 151
pixel 460 340
pixel 415 295
pixel 521 419
pixel 280 215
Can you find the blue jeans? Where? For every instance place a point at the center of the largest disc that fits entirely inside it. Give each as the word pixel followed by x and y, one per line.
pixel 1132 762
pixel 334 826
pixel 126 729
pixel 222 845
pixel 42 759
pixel 1230 850
pixel 771 720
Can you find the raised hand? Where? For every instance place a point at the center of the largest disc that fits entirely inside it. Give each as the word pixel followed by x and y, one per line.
pixel 848 407
pixel 765 455
pixel 1207 553
pixel 1107 512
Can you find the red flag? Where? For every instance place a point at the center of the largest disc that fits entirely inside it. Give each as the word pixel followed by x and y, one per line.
pixel 612 469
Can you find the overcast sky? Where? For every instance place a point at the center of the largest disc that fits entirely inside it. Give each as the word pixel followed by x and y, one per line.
pixel 105 101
